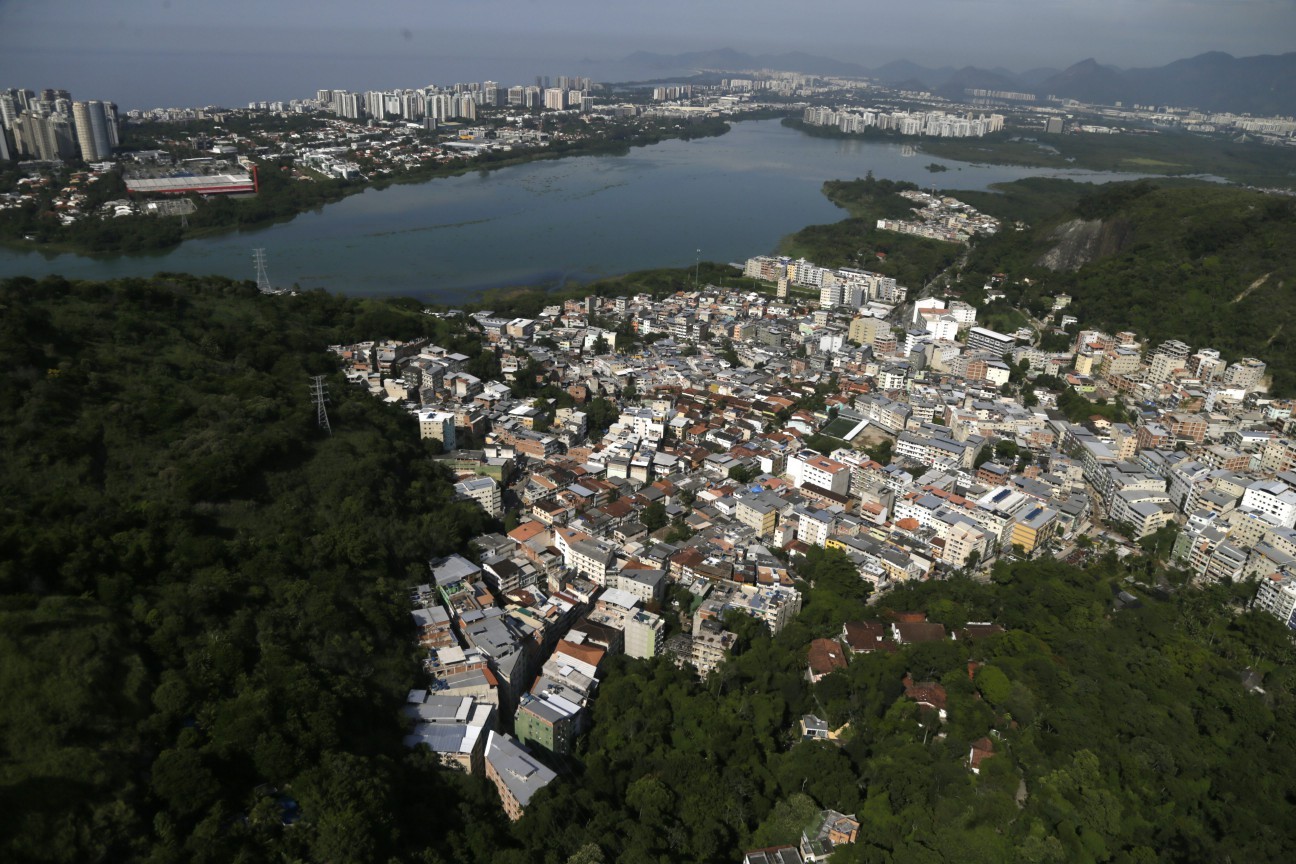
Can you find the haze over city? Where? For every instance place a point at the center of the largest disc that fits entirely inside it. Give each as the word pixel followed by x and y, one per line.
pixel 174 52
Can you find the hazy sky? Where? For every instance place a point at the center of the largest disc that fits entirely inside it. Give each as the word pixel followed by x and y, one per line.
pixel 198 50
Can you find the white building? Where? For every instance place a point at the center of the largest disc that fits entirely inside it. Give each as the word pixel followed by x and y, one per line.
pixel 814 527
pixel 439 425
pixel 1277 596
pixel 1274 498
pixel 808 468
pixel 485 491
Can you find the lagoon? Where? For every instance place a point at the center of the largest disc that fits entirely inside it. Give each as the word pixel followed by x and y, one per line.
pixel 552 222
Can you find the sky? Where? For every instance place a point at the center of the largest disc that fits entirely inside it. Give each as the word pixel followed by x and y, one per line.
pixel 174 52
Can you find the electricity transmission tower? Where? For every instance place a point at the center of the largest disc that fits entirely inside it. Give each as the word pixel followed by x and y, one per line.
pixel 319 395
pixel 263 278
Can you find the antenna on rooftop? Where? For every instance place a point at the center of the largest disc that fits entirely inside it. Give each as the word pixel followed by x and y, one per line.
pixel 319 395
pixel 262 277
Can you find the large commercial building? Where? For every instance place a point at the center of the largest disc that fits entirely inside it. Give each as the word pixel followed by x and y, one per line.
pixel 193 184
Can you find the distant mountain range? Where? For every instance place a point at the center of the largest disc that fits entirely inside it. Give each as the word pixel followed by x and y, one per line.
pixel 1214 81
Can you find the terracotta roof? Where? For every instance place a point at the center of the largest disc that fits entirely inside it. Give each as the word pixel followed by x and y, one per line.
pixel 825 656
pixel 527 531
pixel 981 631
pixel 584 653
pixel 927 693
pixel 864 635
pixel 982 749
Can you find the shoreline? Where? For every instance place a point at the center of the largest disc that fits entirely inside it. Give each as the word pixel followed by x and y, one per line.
pixel 711 128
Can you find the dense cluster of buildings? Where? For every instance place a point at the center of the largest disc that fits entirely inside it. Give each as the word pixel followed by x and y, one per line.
pixel 463 101
pixel 844 286
pixel 941 217
pixel 51 127
pixel 745 429
pixel 936 124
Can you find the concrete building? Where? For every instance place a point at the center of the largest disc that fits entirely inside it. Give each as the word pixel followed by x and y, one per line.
pixel 454 727
pixel 758 515
pixel 547 720
pixel 515 772
pixel 439 425
pixel 1274 498
pixel 484 491
pixel 1277 596
pixel 1033 529
pixel 983 339
pixel 645 635
pixel 808 468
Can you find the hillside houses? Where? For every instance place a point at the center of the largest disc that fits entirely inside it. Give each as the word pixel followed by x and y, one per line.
pixel 661 464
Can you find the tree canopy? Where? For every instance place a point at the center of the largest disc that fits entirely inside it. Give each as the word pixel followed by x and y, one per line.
pixel 204 636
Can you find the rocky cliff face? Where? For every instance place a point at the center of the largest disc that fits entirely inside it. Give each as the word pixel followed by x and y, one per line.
pixel 1080 241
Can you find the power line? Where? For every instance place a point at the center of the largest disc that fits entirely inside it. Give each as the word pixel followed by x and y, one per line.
pixel 262 277
pixel 319 395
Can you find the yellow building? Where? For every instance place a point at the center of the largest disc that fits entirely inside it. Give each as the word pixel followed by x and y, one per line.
pixel 1033 530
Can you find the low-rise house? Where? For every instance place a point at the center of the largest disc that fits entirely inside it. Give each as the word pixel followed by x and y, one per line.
pixel 829 830
pixel 774 855
pixel 825 657
pixel 928 694
pixel 864 636
pixel 981 750
pixel 912 632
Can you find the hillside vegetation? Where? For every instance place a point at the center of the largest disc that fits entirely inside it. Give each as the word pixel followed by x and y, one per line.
pixel 1120 736
pixel 857 242
pixel 202 595
pixel 204 634
pixel 1211 265
pixel 1173 154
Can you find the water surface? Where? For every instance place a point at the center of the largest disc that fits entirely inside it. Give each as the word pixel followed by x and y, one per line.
pixel 553 221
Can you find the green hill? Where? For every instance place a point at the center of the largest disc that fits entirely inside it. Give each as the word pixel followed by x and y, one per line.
pixel 1212 265
pixel 201 593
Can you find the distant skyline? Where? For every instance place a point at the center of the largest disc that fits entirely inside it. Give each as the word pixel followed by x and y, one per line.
pixel 145 53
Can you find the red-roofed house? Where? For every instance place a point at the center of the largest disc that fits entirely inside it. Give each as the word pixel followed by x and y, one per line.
pixel 825 657
pixel 982 749
pixel 861 636
pixel 928 694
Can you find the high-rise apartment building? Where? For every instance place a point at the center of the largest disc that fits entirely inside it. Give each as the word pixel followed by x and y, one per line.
pixel 46 137
pixel 91 123
pixel 10 108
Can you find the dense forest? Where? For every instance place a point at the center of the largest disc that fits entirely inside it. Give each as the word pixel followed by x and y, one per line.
pixel 204 637
pixel 203 595
pixel 1211 265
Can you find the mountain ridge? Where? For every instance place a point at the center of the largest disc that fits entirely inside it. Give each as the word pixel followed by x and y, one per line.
pixel 1213 81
